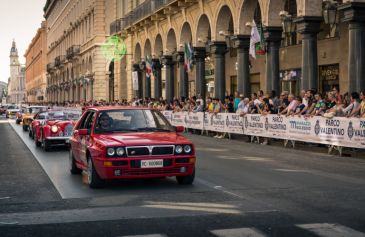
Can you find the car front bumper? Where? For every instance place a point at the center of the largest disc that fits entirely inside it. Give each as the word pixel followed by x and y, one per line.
pixel 58 141
pixel 128 168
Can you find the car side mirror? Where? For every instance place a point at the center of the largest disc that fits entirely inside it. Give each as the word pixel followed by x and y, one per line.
pixel 180 129
pixel 83 132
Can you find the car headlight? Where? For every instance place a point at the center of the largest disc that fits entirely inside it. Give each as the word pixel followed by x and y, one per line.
pixel 187 148
pixel 178 149
pixel 54 128
pixel 110 151
pixel 120 151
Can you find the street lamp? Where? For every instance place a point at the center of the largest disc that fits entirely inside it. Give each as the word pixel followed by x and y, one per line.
pixel 288 26
pixel 330 15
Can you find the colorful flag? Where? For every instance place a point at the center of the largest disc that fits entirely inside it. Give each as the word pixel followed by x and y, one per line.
pixel 148 67
pixel 188 57
pixel 255 38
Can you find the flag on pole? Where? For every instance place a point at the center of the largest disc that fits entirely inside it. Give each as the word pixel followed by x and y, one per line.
pixel 255 38
pixel 188 57
pixel 148 67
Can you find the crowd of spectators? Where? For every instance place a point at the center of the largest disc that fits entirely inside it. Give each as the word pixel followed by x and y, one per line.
pixel 308 103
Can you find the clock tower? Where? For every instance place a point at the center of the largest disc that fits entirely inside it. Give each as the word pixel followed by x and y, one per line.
pixel 16 82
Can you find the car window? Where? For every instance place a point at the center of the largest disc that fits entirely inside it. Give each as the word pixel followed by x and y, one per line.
pixel 88 119
pixel 127 120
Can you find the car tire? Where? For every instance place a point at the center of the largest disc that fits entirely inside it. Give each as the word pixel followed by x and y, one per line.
pixel 37 143
pixel 25 128
pixel 30 133
pixel 73 167
pixel 17 121
pixel 93 178
pixel 45 145
pixel 186 180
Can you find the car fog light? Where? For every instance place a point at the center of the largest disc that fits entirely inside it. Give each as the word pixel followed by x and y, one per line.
pixel 179 149
pixel 182 169
pixel 110 151
pixel 117 172
pixel 187 149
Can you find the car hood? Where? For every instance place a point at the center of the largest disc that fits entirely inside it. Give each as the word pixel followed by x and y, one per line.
pixel 141 138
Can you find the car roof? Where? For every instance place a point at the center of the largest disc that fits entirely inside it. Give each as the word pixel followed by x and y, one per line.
pixel 105 108
pixel 37 106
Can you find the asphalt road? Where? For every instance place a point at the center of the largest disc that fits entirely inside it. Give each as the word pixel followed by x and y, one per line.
pixel 241 189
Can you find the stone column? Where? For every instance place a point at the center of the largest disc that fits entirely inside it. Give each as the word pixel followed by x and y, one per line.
pixel 92 88
pixel 199 56
pixel 218 50
pixel 242 44
pixel 354 14
pixel 309 26
pixel 139 92
pixel 170 77
pixel 273 38
pixel 158 81
pixel 184 78
pixel 77 94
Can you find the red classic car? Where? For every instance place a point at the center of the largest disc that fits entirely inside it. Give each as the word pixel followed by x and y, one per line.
pixel 125 142
pixel 54 130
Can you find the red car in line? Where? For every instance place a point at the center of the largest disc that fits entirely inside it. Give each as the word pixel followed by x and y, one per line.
pixel 126 142
pixel 54 129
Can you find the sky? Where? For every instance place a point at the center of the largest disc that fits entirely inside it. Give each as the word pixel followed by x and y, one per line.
pixel 19 20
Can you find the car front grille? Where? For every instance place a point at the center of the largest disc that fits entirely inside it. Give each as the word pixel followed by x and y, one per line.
pixel 160 150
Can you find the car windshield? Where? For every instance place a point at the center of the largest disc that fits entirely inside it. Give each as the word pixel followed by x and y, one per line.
pixel 13 107
pixel 62 115
pixel 34 110
pixel 131 120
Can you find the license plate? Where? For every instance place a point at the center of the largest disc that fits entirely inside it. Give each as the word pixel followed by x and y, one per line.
pixel 151 163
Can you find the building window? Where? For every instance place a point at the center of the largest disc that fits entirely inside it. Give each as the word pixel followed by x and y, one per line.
pixel 329 76
pixel 290 80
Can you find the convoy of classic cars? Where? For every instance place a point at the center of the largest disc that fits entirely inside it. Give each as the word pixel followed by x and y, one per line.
pixel 107 143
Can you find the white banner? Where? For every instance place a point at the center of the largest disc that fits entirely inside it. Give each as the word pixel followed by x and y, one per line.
pixel 339 131
pixel 178 118
pixel 233 124
pixel 135 80
pixel 194 120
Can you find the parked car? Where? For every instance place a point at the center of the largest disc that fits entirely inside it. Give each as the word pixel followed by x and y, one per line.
pixel 29 113
pixel 3 109
pixel 55 130
pixel 11 111
pixel 124 143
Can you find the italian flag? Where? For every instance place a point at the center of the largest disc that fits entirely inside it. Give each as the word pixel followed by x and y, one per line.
pixel 148 67
pixel 188 56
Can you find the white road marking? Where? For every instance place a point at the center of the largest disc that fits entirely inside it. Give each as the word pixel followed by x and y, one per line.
pixel 240 232
pixel 331 230
pixel 2 198
pixel 290 170
pixel 152 235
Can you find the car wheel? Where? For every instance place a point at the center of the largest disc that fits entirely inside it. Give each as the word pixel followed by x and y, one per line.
pixel 92 176
pixel 30 133
pixel 37 143
pixel 45 144
pixel 17 121
pixel 73 167
pixel 185 180
pixel 25 128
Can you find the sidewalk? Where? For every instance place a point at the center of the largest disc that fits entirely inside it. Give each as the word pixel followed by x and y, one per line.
pixel 22 180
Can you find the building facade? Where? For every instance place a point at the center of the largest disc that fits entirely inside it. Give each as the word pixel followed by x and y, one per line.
pixel 307 45
pixel 16 83
pixel 76 69
pixel 36 61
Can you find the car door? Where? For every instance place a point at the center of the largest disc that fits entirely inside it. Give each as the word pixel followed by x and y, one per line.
pixel 85 140
pixel 76 139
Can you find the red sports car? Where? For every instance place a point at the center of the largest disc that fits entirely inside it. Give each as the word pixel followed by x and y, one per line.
pixel 55 129
pixel 124 142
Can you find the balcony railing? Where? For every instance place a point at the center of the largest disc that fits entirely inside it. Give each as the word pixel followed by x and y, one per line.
pixel 50 67
pixel 145 9
pixel 59 60
pixel 73 51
